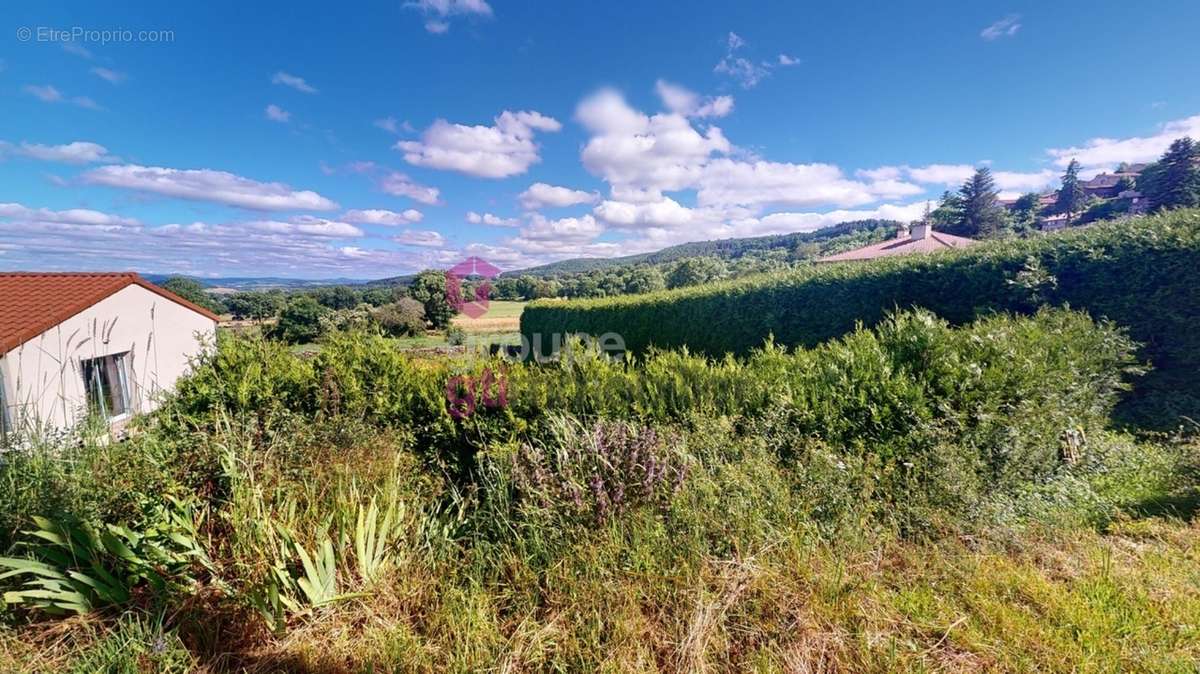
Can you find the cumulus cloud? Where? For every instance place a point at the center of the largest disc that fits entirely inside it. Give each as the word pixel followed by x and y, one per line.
pixel 640 154
pixel 208 185
pixel 665 213
pixel 504 149
pixel 1006 27
pixel 420 237
pixel 561 231
pixel 1108 152
pixel 726 181
pixel 380 216
pixel 110 75
pixel 278 114
pixel 541 195
pixel 490 219
pixel 437 12
pixel 293 81
pixel 78 152
pixel 400 185
pixel 785 60
pixel 682 101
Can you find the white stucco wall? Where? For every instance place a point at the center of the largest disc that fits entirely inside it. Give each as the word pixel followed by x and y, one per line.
pixel 43 380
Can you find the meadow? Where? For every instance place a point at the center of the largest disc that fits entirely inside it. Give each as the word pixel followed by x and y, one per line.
pixel 917 494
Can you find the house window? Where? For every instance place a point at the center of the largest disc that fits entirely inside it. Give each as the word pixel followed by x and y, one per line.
pixel 107 383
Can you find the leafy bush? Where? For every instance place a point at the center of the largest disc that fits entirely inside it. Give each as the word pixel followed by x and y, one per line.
pixel 300 321
pixel 1142 274
pixel 402 318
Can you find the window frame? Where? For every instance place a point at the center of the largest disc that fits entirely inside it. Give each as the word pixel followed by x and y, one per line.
pixel 97 399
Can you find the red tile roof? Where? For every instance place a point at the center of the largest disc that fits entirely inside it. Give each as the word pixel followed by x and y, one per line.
pixel 33 302
pixel 935 241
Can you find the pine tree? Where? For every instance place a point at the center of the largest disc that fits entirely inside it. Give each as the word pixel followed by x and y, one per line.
pixel 1174 180
pixel 982 214
pixel 1071 197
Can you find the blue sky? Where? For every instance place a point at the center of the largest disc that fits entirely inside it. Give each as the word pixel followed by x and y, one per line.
pixel 263 139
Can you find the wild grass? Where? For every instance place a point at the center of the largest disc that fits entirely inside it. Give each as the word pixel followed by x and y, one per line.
pixel 913 497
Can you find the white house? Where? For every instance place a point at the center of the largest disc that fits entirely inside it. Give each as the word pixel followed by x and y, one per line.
pixel 78 343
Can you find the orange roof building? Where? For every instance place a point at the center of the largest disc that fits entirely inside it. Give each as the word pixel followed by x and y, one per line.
pixel 75 344
pixel 921 239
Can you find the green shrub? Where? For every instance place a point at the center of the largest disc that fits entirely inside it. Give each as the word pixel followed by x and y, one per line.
pixel 300 321
pixel 1142 274
pixel 402 318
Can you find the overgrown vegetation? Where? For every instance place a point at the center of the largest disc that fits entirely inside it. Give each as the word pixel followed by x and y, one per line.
pixel 670 512
pixel 1142 274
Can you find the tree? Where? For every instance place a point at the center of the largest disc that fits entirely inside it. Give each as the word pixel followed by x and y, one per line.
pixel 379 296
pixel 337 297
pixel 255 305
pixel 429 288
pixel 404 317
pixel 1025 213
pixel 949 213
pixel 192 291
pixel 694 271
pixel 644 280
pixel 300 320
pixel 1071 197
pixel 982 215
pixel 1174 180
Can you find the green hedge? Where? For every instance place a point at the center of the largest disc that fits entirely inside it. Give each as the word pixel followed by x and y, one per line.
pixel 1143 274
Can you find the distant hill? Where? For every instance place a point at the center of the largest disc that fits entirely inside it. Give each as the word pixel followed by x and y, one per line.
pixel 255 283
pixel 722 248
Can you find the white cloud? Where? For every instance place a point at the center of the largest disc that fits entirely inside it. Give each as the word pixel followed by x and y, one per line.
pixel 308 226
pixel 788 222
pixel 72 47
pixel 561 231
pixel 682 101
pixel 420 237
pixel 438 11
pixel 379 216
pixel 666 213
pixel 293 81
pixel 278 114
pixel 541 195
pixel 490 219
pixel 1108 152
pixel 304 247
pixel 78 152
pixel 941 174
pixel 110 75
pixel 729 182
pixel 208 185
pixel 393 125
pixel 499 151
pixel 71 216
pixel 1006 27
pixel 640 154
pixel 1013 181
pixel 745 71
pixel 785 60
pixel 47 93
pixel 400 185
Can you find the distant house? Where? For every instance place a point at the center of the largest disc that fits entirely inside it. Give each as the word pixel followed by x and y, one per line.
pixel 1053 223
pixel 105 344
pixel 921 239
